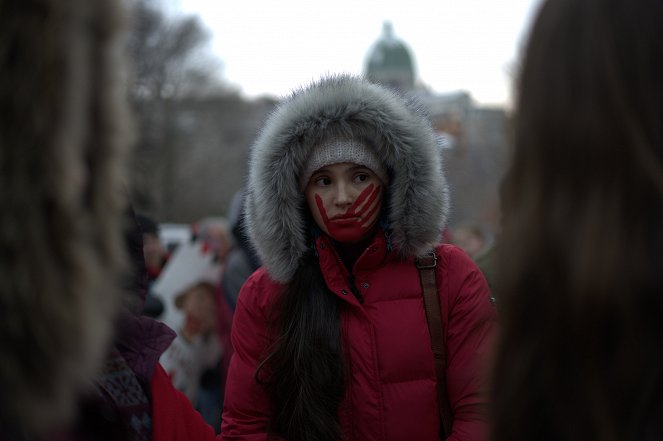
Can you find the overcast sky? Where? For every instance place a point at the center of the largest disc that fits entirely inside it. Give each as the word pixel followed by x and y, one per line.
pixel 269 47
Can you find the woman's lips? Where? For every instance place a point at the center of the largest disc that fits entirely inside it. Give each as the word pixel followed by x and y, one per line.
pixel 344 219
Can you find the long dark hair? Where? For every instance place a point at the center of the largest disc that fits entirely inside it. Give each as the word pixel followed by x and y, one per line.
pixel 581 252
pixel 303 372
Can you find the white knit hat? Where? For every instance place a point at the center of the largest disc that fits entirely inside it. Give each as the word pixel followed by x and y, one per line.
pixel 337 151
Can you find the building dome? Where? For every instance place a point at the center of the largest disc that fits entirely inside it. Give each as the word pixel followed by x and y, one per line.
pixel 389 62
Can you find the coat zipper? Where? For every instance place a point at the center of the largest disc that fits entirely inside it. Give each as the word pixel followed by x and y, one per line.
pixel 351 281
pixel 353 288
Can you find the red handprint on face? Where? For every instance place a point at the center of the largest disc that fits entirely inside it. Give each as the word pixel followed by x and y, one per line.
pixel 356 221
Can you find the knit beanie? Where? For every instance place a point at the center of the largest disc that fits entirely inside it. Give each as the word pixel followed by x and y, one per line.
pixel 338 151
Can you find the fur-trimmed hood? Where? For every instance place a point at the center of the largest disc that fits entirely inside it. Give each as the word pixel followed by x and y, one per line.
pixel 417 200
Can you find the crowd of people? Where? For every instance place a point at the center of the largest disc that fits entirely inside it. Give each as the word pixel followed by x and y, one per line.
pixel 330 304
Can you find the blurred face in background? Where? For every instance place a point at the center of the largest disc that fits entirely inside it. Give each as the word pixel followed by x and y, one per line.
pixel 217 238
pixel 154 251
pixel 469 239
pixel 199 307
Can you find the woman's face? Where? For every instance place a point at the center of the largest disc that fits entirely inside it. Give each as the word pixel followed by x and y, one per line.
pixel 345 201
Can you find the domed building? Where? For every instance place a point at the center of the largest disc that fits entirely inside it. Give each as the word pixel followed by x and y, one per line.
pixel 472 139
pixel 389 61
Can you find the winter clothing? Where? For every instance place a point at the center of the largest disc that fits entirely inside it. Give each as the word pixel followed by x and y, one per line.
pixel 173 418
pixel 140 343
pixel 342 108
pixel 338 151
pixel 238 268
pixel 133 398
pixel 391 394
pixel 390 391
pixel 119 404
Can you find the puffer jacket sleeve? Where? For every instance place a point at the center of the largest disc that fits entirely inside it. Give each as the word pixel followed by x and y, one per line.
pixel 246 405
pixel 470 321
pixel 173 417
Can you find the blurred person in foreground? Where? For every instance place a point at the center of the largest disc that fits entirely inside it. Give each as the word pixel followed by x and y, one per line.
pixel 79 362
pixel 580 266
pixel 62 143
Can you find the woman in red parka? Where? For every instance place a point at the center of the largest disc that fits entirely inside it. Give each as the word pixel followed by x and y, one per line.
pixel 330 335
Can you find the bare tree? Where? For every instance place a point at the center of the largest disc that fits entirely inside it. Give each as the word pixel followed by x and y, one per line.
pixel 168 63
pixel 167 54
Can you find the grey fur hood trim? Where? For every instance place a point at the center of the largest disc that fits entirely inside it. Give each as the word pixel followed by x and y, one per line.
pixel 417 200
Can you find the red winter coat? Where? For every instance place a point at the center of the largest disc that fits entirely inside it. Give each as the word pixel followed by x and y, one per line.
pixel 391 394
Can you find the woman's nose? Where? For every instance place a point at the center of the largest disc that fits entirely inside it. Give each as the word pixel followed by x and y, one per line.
pixel 343 195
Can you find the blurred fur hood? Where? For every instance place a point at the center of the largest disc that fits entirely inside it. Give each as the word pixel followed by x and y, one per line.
pixel 62 193
pixel 416 198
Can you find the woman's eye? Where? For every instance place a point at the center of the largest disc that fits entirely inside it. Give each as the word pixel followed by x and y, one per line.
pixel 322 181
pixel 361 178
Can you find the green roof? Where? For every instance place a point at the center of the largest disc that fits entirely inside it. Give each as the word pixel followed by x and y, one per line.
pixel 390 61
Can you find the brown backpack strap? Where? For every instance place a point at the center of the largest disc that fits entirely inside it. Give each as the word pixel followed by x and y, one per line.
pixel 426 265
